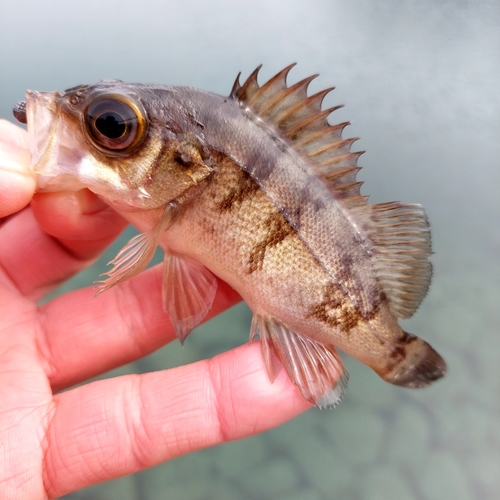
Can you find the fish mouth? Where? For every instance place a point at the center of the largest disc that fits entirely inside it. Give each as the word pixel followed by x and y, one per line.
pixel 42 120
pixel 55 148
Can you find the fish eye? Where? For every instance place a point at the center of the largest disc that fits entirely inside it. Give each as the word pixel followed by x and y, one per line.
pixel 115 124
pixel 111 124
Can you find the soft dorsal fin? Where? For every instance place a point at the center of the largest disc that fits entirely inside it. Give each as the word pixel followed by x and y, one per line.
pixel 397 234
pixel 300 121
pixel 402 243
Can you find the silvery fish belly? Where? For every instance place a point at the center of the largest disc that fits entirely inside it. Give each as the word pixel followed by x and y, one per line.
pixel 259 189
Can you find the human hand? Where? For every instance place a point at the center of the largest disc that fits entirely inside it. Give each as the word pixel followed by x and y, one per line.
pixel 52 443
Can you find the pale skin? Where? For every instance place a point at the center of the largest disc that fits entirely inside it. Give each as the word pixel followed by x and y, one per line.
pixel 51 442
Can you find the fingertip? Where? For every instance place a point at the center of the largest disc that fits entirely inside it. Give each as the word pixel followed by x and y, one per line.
pixel 13 134
pixel 247 401
pixel 17 182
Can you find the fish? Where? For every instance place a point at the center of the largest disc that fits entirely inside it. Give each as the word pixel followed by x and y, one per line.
pixel 260 190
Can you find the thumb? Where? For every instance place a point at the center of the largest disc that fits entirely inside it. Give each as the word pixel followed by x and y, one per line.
pixel 17 181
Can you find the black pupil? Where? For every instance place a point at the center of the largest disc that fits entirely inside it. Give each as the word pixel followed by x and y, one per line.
pixel 111 125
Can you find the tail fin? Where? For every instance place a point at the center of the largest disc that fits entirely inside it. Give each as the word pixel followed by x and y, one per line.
pixel 419 364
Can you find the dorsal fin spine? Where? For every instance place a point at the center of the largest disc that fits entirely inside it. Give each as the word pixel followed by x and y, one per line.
pixel 345 187
pixel 333 176
pixel 356 201
pixel 298 87
pixel 339 159
pixel 318 134
pixel 236 86
pixel 312 101
pixel 249 86
pixel 334 145
pixel 279 78
pixel 321 116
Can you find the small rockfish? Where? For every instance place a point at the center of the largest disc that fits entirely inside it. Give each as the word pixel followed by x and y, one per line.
pixel 260 190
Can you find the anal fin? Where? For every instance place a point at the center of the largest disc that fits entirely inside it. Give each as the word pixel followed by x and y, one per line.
pixel 315 368
pixel 188 292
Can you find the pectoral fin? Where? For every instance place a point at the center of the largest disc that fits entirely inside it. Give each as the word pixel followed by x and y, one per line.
pixel 135 256
pixel 188 293
pixel 315 368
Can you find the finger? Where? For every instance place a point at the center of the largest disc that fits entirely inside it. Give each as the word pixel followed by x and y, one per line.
pixel 114 427
pixel 17 182
pixel 81 336
pixel 13 134
pixel 75 226
pixel 79 220
pixel 35 262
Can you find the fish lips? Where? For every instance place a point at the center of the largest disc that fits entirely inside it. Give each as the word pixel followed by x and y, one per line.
pixel 54 146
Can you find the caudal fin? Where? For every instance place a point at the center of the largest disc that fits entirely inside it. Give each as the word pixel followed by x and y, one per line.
pixel 419 367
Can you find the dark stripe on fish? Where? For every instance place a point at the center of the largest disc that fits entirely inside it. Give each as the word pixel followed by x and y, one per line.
pixel 242 188
pixel 277 230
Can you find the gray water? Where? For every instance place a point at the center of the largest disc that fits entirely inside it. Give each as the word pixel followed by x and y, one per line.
pixel 420 81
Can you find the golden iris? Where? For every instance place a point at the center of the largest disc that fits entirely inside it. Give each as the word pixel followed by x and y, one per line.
pixel 115 124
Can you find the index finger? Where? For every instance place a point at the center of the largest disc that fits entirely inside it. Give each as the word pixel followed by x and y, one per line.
pixel 118 426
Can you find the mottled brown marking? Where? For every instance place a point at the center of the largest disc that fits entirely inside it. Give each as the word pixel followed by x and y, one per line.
pixel 347 261
pixel 398 352
pixel 344 272
pixel 308 196
pixel 337 312
pixel 242 187
pixel 235 187
pixel 276 230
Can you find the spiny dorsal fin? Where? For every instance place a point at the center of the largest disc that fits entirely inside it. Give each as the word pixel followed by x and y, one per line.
pixel 300 121
pixel 399 234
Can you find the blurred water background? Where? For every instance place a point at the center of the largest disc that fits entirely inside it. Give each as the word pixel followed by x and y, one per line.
pixel 420 80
